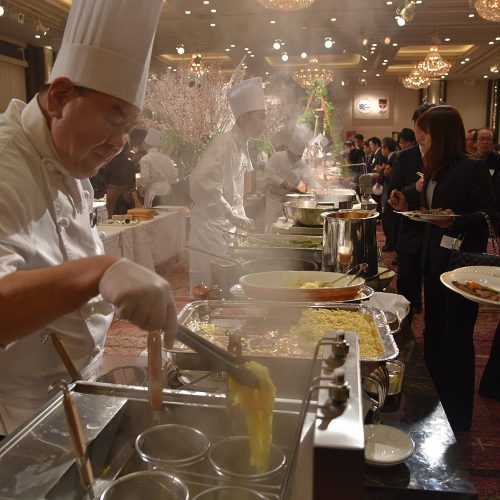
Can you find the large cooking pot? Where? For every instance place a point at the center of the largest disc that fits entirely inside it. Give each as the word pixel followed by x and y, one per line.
pixel 298 196
pixel 310 216
pixel 349 238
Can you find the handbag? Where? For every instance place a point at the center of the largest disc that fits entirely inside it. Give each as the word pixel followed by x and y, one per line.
pixel 464 259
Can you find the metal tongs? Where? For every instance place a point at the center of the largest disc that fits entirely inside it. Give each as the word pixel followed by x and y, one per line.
pixel 217 356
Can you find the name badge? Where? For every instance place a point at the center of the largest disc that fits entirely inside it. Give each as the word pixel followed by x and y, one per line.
pixel 450 243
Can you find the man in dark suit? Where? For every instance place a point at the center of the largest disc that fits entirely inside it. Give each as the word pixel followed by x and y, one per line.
pixel 483 142
pixel 404 178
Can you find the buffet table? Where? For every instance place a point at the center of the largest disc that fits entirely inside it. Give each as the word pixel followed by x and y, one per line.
pixel 148 243
pixel 436 467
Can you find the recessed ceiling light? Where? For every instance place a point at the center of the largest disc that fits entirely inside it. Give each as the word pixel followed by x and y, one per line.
pixel 374 44
pixel 213 11
pixel 387 40
pixel 471 15
pixel 389 2
pixel 284 56
pixel 277 44
pixel 378 74
pixel 497 38
pixel 252 55
pixel 180 49
pixel 462 62
pixel 227 50
pixel 466 59
pixel 394 44
pixel 232 45
pixel 384 64
pixel 333 19
pixel 364 71
pixel 485 76
pixel 418 1
pixel 303 55
pixel 272 21
pixel 491 43
pixel 386 60
pixel 187 12
pixel 328 42
pixel 365 41
pixel 400 20
pixel 267 72
pixel 212 24
pixel 447 39
pixel 206 2
pixel 246 48
pixel 442 76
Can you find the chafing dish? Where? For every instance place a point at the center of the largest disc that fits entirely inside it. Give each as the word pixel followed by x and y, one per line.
pixel 253 246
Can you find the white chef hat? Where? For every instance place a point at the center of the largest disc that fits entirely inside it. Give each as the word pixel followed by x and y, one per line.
pixel 301 135
pixel 245 96
pixel 153 137
pixel 107 45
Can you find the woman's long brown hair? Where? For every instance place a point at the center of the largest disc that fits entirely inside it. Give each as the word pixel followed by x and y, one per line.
pixel 446 128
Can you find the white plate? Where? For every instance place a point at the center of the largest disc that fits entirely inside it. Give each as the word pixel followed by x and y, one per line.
pixel 386 446
pixel 427 217
pixel 485 275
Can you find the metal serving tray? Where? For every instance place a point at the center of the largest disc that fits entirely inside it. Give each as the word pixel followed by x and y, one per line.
pixel 262 325
pixel 279 246
pixel 37 460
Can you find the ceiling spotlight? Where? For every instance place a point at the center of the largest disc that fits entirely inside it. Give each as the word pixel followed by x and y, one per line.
pixel 40 28
pixel 387 40
pixel 277 45
pixel 328 42
pixel 303 55
pixel 494 69
pixel 180 49
pixel 2 10
pixel 365 41
pixel 406 13
pixel 284 56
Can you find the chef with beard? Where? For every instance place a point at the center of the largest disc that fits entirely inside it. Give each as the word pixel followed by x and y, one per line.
pixel 217 182
pixel 285 170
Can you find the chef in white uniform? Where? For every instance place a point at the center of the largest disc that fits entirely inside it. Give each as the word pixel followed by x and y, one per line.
pixel 285 170
pixel 158 171
pixel 217 182
pixel 54 277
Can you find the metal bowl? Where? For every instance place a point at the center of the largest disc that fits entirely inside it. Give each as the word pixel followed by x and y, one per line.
pixel 290 209
pixel 230 457
pixel 172 445
pixel 311 216
pixel 146 485
pixel 229 493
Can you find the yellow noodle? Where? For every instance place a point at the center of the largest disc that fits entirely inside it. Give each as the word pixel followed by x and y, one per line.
pixel 315 323
pixel 257 406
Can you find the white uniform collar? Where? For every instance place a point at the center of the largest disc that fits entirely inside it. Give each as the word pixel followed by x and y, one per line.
pixel 36 128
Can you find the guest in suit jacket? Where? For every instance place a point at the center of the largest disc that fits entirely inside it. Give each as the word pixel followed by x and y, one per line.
pixel 460 185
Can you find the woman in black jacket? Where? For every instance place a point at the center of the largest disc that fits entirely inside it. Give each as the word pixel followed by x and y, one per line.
pixel 459 185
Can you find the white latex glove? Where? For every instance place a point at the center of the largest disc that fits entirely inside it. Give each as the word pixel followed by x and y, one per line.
pixel 141 297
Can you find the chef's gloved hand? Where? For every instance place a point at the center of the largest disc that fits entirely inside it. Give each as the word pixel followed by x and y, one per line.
pixel 244 223
pixel 141 297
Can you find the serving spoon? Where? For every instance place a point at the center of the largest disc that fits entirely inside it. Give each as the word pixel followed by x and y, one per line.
pixel 362 267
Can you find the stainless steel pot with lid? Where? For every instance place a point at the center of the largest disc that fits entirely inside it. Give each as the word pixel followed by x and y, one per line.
pixel 349 238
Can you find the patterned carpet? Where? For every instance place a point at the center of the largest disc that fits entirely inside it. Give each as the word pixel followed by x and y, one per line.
pixel 480 446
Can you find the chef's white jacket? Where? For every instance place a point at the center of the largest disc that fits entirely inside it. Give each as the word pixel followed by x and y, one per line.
pixel 277 170
pixel 44 221
pixel 217 186
pixel 158 172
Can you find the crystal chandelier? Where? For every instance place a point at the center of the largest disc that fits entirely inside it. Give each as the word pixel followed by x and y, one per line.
pixel 306 77
pixel 415 80
pixel 286 4
pixel 434 65
pixel 196 66
pixel 488 9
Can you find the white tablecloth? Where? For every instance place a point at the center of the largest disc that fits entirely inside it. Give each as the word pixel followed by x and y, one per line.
pixel 148 243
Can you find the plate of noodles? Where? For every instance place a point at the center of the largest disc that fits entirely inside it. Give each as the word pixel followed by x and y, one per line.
pixel 301 286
